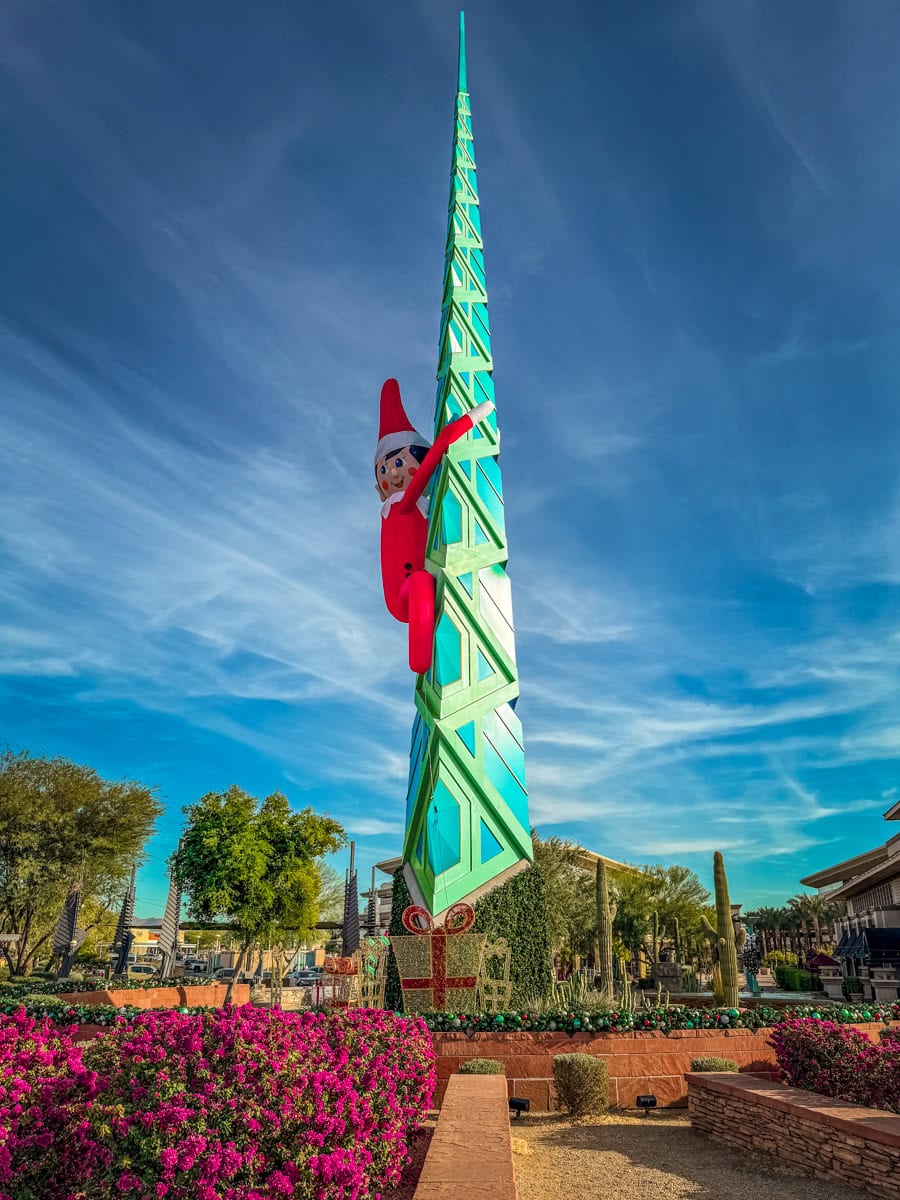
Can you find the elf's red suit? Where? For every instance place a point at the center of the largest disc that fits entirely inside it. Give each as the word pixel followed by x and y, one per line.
pixel 404 464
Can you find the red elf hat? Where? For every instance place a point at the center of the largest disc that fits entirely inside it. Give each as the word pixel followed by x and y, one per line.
pixel 395 428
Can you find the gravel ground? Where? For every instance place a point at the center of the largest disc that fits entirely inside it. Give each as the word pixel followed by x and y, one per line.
pixel 619 1157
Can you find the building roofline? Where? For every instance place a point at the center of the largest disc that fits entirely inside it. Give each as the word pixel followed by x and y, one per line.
pixel 883 871
pixel 850 868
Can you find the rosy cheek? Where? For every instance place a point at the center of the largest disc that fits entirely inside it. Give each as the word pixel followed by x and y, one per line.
pixel 411 471
pixel 384 485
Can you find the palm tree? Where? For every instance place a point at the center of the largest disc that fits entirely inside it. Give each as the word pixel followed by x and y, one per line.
pixel 764 922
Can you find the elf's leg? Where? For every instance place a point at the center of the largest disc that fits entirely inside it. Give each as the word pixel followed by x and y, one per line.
pixel 418 591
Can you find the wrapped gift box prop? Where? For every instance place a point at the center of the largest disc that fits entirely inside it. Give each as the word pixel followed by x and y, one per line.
pixel 439 965
pixel 341 982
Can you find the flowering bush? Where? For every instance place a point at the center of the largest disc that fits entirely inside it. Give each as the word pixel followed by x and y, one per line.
pixel 237 1104
pixel 41 1076
pixel 835 1061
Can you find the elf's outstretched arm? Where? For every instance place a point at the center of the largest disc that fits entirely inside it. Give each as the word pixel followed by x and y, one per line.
pixel 449 434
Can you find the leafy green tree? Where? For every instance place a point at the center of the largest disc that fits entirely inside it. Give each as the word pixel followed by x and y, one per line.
pixel 254 864
pixel 61 824
pixel 635 904
pixel 331 894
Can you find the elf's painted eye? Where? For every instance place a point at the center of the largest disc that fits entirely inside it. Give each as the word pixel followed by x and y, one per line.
pixel 383 469
pixel 398 462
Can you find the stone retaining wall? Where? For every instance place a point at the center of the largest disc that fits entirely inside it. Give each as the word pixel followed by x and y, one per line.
pixel 211 995
pixel 638 1063
pixel 828 1139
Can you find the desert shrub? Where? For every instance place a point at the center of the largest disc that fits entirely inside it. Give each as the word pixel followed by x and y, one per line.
pixel 780 958
pixel 482 1066
pixel 582 1085
pixel 242 1103
pixel 711 1063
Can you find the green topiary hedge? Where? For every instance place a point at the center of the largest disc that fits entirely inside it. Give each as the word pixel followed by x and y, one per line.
pixel 401 899
pixel 792 979
pixel 517 911
pixel 482 1066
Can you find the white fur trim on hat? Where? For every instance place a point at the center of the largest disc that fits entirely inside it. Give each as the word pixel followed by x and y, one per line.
pixel 396 441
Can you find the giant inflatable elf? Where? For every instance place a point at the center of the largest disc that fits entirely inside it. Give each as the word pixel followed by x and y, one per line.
pixel 404 464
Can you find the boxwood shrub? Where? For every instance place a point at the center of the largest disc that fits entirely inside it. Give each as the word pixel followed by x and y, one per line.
pixel 711 1063
pixel 582 1083
pixel 482 1066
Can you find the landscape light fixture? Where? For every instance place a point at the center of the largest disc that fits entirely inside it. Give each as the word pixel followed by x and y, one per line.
pixel 518 1105
pixel 645 1103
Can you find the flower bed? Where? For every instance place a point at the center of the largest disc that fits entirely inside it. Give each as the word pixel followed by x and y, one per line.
pixel 832 1060
pixel 236 1104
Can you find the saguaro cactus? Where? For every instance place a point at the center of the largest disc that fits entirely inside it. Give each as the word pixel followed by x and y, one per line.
pixel 604 930
pixel 676 939
pixel 655 944
pixel 726 943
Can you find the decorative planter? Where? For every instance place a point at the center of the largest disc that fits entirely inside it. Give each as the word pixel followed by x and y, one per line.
pixel 830 1139
pixel 211 995
pixel 638 1063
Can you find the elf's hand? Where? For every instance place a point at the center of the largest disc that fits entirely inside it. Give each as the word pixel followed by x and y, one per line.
pixel 480 411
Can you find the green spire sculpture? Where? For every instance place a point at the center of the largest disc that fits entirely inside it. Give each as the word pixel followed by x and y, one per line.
pixel 467 827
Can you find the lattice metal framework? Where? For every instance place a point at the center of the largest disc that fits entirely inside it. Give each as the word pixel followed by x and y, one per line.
pixel 467 824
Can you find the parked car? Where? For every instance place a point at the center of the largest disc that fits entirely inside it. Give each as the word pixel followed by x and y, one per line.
pixel 306 977
pixel 142 970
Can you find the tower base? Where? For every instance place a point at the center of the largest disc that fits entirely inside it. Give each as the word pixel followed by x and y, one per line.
pixel 512 908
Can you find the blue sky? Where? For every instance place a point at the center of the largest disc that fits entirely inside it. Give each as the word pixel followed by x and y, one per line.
pixel 223 228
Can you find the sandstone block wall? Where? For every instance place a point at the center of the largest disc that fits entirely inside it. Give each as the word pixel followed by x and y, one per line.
pixel 826 1138
pixel 637 1062
pixel 208 996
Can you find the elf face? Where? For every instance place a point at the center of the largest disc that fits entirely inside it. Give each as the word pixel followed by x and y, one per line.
pixel 394 471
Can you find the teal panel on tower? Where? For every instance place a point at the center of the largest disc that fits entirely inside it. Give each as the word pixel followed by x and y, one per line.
pixel 467 805
pixel 466 734
pixel 443 838
pixel 451 519
pixel 490 847
pixel 447 652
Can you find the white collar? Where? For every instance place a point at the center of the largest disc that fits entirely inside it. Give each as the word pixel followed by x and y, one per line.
pixel 421 504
